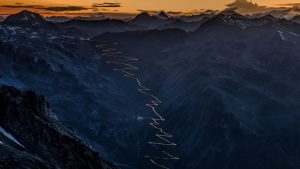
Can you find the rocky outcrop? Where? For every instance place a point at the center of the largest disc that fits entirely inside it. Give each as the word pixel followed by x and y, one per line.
pixel 32 137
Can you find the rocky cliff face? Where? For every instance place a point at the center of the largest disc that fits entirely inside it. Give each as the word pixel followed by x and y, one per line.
pixel 32 137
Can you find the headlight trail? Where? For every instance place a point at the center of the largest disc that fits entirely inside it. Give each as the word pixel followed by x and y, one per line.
pixel 164 138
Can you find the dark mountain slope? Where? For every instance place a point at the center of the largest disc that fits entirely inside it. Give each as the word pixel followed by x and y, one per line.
pixel 72 74
pixel 43 141
pixel 147 41
pixel 230 92
pixel 163 15
pixel 147 21
pixel 196 18
pixel 296 19
pixel 186 26
pixel 93 28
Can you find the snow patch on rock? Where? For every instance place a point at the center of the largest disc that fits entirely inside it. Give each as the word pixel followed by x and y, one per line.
pixel 12 138
pixel 281 35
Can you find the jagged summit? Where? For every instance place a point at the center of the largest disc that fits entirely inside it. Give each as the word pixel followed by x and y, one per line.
pixel 143 15
pixel 25 16
pixel 226 18
pixel 147 21
pixel 231 13
pixel 28 19
pixel 269 17
pixel 163 15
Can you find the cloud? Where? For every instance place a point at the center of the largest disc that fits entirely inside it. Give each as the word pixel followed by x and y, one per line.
pixel 54 8
pixel 18 5
pixel 155 12
pixel 148 11
pixel 290 4
pixel 246 6
pixel 174 13
pixel 67 8
pixel 104 10
pixel 107 5
pixel 285 10
pixel 58 18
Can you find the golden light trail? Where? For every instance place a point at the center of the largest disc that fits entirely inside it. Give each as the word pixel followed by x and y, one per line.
pixel 164 138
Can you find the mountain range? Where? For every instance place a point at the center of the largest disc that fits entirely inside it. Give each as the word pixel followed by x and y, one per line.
pixel 142 21
pixel 229 86
pixel 235 82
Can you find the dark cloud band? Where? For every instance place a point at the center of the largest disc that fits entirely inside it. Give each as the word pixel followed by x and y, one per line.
pixel 107 5
pixel 158 11
pixel 18 5
pixel 68 8
pixel 290 4
pixel 55 9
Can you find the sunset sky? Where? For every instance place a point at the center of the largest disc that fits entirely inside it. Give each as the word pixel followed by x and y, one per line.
pixel 80 7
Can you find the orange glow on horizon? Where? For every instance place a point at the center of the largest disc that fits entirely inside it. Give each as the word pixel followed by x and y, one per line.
pixel 127 6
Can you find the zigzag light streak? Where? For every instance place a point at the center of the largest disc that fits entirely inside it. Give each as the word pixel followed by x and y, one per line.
pixel 154 102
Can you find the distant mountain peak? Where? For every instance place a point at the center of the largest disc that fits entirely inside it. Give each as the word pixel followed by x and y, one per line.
pixel 297 16
pixel 230 12
pixel 269 17
pixel 28 19
pixel 143 15
pixel 26 15
pixel 147 21
pixel 28 12
pixel 162 14
pixel 227 17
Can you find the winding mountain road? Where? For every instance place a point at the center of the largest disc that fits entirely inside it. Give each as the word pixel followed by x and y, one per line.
pixel 129 71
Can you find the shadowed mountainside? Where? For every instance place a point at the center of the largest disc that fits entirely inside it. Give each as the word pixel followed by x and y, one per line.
pixel 230 90
pixel 32 137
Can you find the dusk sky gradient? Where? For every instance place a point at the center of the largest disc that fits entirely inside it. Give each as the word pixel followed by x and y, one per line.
pixel 58 7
